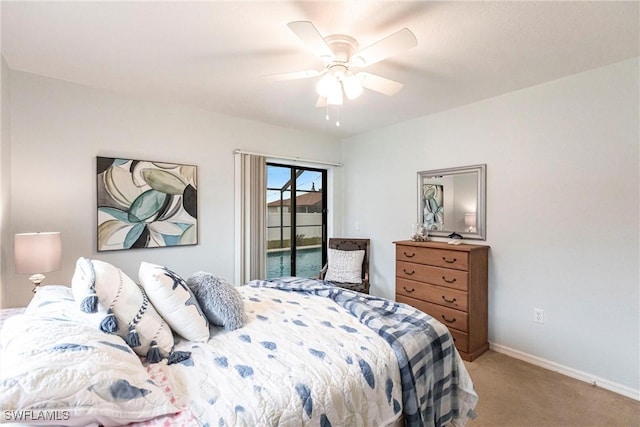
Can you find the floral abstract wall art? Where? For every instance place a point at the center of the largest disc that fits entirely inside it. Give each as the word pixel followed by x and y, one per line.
pixel 433 210
pixel 145 204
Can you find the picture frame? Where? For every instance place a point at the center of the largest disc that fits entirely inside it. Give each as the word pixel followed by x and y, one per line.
pixel 145 204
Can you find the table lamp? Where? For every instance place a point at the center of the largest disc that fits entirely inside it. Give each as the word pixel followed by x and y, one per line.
pixel 37 253
pixel 470 221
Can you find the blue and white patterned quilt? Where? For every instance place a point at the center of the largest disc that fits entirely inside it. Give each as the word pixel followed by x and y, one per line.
pixel 436 388
pixel 309 354
pixel 299 360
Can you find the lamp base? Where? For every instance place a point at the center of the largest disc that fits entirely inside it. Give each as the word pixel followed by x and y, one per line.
pixel 36 279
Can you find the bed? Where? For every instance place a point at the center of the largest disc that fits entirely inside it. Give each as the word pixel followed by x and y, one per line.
pixel 308 353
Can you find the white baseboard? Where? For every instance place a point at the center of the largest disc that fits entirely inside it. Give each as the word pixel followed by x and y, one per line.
pixel 565 370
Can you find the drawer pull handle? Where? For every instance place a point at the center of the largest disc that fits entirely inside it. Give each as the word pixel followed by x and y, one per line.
pixel 411 255
pixel 450 301
pixel 451 261
pixel 408 290
pixel 447 320
pixel 408 273
pixel 449 281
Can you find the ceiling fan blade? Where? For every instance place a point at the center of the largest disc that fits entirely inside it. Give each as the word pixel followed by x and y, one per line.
pixel 386 47
pixel 321 102
pixel 310 36
pixel 295 75
pixel 379 84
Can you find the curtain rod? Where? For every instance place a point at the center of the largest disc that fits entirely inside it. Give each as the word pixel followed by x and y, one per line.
pixel 295 159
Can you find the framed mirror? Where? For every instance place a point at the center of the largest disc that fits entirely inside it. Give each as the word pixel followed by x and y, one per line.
pixel 453 201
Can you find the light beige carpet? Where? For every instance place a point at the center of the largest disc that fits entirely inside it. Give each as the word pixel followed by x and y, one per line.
pixel 513 393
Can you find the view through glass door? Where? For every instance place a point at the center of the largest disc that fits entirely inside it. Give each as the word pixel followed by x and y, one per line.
pixel 296 220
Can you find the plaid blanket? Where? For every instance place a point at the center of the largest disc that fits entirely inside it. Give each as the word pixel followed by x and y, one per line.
pixel 436 388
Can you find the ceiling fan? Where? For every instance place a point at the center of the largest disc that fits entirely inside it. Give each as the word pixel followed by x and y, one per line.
pixel 343 61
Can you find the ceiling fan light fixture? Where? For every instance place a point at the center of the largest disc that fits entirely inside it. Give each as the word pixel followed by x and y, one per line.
pixel 334 97
pixel 325 85
pixel 342 56
pixel 352 86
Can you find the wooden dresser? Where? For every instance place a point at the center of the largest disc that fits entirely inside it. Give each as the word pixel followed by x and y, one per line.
pixel 448 282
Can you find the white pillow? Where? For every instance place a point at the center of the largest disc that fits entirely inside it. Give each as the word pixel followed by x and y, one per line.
pixel 54 300
pixel 114 303
pixel 175 302
pixel 73 373
pixel 344 266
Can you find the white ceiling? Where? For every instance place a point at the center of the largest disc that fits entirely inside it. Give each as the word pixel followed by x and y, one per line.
pixel 214 55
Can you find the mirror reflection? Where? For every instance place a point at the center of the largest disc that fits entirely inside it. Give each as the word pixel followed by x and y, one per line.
pixel 453 200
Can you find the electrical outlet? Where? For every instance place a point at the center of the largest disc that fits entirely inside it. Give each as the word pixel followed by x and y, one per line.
pixel 538 315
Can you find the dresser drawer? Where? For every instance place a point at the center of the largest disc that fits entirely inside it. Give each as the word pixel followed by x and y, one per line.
pixel 458 260
pixel 447 316
pixel 456 279
pixel 460 339
pixel 436 294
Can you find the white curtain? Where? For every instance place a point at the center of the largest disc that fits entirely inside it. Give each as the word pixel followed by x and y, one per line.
pixel 251 211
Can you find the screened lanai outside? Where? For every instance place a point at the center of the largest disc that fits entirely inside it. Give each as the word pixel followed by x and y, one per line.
pixel 295 225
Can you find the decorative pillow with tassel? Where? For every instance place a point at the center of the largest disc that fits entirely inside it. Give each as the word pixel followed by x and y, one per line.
pixel 116 304
pixel 174 301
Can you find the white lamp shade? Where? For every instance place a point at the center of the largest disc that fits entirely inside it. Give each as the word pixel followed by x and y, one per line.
pixel 470 219
pixel 37 252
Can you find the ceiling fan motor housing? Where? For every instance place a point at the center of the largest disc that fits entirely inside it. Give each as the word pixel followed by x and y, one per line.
pixel 342 46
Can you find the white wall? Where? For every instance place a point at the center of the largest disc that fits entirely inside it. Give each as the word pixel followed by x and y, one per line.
pixel 562 207
pixel 6 239
pixel 58 129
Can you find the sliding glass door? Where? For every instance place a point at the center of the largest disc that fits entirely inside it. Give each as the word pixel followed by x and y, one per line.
pixel 296 220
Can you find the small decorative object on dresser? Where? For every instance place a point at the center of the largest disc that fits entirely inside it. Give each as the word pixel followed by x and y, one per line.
pixel 448 282
pixel 420 233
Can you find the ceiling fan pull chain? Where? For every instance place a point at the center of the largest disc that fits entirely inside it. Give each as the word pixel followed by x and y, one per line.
pixel 337 115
